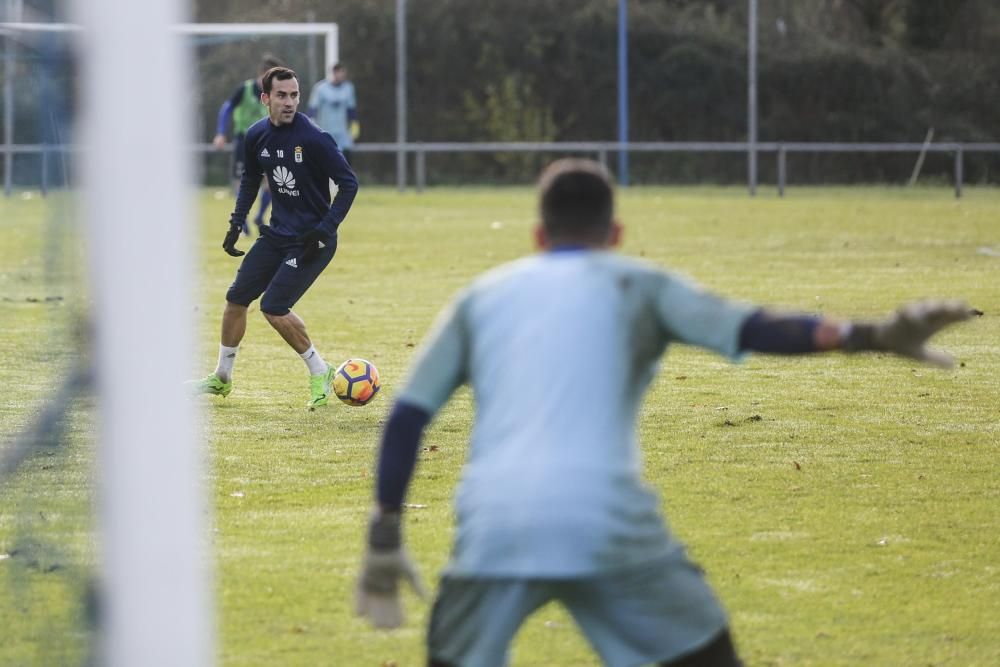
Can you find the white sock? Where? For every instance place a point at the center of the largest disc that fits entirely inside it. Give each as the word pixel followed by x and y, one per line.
pixel 314 361
pixel 227 357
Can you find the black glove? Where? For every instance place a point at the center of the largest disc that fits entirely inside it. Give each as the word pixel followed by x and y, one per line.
pixel 385 563
pixel 232 236
pixel 906 331
pixel 312 242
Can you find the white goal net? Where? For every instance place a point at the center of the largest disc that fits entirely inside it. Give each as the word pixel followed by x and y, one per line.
pixel 107 110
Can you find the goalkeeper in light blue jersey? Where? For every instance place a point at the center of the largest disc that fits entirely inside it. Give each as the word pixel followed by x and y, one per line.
pixel 551 506
pixel 333 104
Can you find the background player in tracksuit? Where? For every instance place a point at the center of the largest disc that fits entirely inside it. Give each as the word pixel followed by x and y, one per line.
pixel 298 160
pixel 551 505
pixel 244 108
pixel 334 105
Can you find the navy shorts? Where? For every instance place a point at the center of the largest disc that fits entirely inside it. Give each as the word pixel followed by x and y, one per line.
pixel 273 267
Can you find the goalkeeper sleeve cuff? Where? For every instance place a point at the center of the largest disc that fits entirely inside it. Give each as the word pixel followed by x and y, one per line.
pixel 858 337
pixel 398 452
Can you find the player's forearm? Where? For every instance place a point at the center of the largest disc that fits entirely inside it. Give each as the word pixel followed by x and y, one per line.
pixel 780 333
pixel 225 111
pixel 398 454
pixel 249 186
pixel 347 190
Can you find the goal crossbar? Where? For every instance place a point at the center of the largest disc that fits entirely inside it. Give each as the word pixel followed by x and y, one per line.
pixel 329 31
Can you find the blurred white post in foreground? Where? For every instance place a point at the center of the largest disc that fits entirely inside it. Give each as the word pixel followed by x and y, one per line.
pixel 137 99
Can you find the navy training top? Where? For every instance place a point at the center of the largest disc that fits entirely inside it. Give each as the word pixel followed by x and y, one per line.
pixel 298 159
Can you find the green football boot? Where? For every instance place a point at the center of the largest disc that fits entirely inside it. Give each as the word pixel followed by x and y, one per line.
pixel 211 385
pixel 320 386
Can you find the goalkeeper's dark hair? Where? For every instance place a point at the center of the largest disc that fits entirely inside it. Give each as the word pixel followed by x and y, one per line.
pixel 279 73
pixel 576 198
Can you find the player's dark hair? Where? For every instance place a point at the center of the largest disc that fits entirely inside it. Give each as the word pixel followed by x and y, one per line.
pixel 279 73
pixel 337 67
pixel 577 200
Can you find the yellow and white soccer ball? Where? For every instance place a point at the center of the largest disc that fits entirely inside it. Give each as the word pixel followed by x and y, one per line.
pixel 356 382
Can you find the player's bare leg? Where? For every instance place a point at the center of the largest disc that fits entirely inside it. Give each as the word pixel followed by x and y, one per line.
pixel 234 324
pixel 293 330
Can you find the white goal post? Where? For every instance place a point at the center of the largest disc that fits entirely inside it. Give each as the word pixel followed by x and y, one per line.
pixel 328 30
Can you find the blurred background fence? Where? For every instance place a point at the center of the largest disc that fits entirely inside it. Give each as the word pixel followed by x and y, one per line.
pixel 849 88
pixel 901 163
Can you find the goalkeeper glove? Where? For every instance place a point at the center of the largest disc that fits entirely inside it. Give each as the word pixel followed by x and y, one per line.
pixel 385 563
pixel 232 236
pixel 906 331
pixel 355 129
pixel 312 242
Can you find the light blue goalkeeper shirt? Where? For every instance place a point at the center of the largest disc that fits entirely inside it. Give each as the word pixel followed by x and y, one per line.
pixel 559 349
pixel 334 105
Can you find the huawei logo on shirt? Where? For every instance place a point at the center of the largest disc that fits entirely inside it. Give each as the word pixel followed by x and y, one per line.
pixel 285 180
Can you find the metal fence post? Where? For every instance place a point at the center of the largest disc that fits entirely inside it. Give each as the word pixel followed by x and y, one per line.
pixel 420 156
pixel 8 113
pixel 45 170
pixel 401 128
pixel 752 97
pixel 958 172
pixel 623 92
pixel 782 156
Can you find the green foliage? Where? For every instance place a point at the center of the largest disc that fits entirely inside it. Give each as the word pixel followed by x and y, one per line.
pixel 844 507
pixel 507 112
pixel 849 70
pixel 852 70
pixel 928 22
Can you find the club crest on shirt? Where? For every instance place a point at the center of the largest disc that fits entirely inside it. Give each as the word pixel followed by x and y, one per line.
pixel 298 153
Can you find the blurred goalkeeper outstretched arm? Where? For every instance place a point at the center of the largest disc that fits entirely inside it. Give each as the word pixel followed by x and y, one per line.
pixel 437 372
pixel 904 332
pixel 386 560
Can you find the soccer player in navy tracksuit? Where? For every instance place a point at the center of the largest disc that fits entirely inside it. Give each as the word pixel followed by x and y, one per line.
pixel 298 159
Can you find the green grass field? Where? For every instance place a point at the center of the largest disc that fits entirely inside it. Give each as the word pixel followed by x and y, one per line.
pixel 845 508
